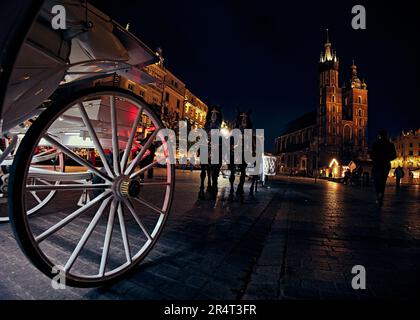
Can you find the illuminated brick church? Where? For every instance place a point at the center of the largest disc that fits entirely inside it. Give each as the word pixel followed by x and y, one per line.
pixel 336 132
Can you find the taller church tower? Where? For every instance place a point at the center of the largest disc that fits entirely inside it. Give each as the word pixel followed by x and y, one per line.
pixel 330 111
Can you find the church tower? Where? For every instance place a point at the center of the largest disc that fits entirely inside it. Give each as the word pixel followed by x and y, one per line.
pixel 356 110
pixel 329 115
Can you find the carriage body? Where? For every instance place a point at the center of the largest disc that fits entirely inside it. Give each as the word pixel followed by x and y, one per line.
pixel 48 58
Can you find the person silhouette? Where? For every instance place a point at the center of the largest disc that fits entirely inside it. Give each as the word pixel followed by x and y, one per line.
pixel 383 151
pixel 399 174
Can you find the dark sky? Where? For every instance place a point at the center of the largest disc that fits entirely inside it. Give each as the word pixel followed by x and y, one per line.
pixel 264 54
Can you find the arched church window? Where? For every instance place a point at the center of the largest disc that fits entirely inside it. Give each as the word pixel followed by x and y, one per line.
pixel 347 133
pixel 359 99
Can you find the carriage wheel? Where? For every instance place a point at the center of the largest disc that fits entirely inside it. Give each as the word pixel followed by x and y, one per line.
pixel 126 204
pixel 39 199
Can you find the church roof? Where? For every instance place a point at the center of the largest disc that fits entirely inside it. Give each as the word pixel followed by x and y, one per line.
pixel 307 120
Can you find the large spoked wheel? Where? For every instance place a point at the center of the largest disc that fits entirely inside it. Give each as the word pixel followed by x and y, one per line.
pixel 128 187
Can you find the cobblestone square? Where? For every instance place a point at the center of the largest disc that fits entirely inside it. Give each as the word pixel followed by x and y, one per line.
pixel 295 240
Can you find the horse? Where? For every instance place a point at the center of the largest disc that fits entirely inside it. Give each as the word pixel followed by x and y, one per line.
pixel 243 121
pixel 214 120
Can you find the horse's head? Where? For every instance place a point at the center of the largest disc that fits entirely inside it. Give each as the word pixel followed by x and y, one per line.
pixel 243 119
pixel 214 118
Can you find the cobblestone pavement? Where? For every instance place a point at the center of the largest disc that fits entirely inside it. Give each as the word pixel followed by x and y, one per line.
pixel 296 240
pixel 322 230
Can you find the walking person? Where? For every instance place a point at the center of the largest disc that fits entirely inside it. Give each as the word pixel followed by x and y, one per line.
pixel 383 151
pixel 411 177
pixel 399 174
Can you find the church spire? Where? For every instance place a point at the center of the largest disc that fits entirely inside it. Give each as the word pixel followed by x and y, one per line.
pixel 353 68
pixel 329 55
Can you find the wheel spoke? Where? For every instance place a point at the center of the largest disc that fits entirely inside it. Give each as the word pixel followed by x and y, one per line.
pixel 130 140
pixel 124 233
pixel 141 153
pixel 108 236
pixel 95 139
pixel 133 212
pixel 149 205
pixel 149 166
pixel 77 158
pixel 115 146
pixel 36 197
pixel 86 235
pixel 68 187
pixel 71 217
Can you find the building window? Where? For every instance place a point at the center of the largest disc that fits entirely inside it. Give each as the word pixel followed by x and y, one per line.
pixel 177 103
pixel 360 99
pixel 333 119
pixel 333 108
pixel 359 112
pixel 410 153
pixel 411 144
pixel 347 133
pixel 360 122
pixel 333 98
pixel 167 96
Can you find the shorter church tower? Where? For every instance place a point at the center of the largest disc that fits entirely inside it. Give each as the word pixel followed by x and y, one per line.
pixel 355 114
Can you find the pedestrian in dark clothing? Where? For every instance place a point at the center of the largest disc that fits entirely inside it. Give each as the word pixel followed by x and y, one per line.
pixel 383 151
pixel 347 175
pixel 399 174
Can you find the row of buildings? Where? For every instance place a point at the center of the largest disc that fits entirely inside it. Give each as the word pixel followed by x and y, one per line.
pixel 167 94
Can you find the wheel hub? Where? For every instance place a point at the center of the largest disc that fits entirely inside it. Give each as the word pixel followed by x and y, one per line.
pixel 126 187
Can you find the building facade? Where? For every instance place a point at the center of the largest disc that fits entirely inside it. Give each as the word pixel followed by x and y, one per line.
pixel 167 94
pixel 407 146
pixel 195 110
pixel 335 130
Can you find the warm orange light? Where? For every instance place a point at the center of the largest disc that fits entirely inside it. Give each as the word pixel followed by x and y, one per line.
pixel 333 162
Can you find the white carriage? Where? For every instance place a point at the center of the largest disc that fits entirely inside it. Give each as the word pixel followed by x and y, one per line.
pixel 92 218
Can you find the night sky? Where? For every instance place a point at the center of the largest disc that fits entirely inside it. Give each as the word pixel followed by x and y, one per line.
pixel 264 54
